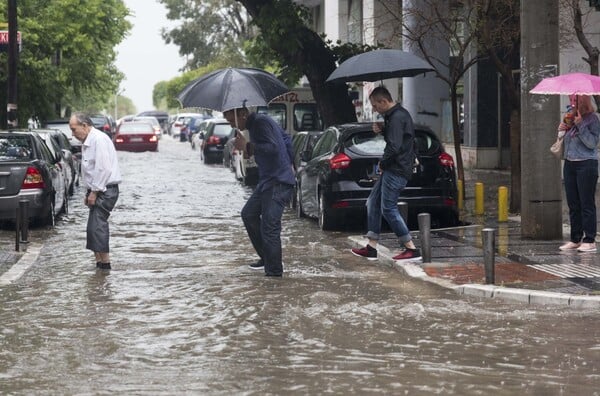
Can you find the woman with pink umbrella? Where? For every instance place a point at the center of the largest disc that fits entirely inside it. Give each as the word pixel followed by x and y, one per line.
pixel 580 172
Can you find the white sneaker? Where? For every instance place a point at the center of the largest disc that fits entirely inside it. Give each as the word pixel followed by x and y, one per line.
pixel 587 247
pixel 570 246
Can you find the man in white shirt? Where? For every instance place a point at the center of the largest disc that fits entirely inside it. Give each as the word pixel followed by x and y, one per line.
pixel 101 176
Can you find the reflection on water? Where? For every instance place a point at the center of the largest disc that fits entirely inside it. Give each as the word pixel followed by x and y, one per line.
pixel 181 313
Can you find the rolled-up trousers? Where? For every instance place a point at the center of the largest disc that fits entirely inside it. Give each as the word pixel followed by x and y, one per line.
pixel 97 226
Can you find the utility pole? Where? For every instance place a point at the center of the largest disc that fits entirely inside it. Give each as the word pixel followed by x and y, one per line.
pixel 13 60
pixel 541 184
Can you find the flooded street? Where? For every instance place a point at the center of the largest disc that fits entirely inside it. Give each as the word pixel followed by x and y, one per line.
pixel 181 313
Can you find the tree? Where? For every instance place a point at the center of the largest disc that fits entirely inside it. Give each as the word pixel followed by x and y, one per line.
pixel 283 28
pixel 580 19
pixel 500 37
pixel 432 21
pixel 209 30
pixel 67 55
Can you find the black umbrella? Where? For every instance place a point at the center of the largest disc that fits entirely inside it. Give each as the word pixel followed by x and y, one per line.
pixel 379 65
pixel 232 88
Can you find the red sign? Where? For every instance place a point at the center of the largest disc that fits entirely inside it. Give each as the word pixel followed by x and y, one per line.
pixel 4 37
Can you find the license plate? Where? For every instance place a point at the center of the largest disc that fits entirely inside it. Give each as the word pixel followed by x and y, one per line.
pixel 136 139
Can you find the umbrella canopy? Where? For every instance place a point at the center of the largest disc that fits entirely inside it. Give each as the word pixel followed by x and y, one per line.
pixel 232 88
pixel 569 84
pixel 379 65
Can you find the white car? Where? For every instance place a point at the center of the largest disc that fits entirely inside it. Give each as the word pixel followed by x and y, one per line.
pixel 178 119
pixel 245 168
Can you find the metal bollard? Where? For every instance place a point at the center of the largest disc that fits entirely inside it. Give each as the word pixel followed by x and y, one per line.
pixel 17 229
pixel 425 232
pixel 479 199
pixel 403 208
pixel 489 252
pixel 24 207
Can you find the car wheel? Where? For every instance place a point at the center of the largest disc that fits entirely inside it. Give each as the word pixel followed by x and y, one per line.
pixel 325 218
pixel 49 218
pixel 299 211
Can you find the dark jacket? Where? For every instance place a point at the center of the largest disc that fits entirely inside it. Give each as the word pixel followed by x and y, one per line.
pixel 272 150
pixel 399 135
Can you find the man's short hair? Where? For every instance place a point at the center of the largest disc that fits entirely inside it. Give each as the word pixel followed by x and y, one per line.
pixel 381 92
pixel 83 118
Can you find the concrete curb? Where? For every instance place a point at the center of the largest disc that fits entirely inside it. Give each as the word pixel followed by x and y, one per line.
pixel 22 265
pixel 527 296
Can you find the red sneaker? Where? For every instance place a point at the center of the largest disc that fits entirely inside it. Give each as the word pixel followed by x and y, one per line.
pixel 368 252
pixel 408 255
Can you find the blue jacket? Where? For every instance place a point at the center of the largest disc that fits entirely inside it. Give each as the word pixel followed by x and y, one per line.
pixel 581 141
pixel 272 149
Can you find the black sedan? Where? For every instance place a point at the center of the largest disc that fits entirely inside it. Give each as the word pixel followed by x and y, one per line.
pixel 341 170
pixel 28 171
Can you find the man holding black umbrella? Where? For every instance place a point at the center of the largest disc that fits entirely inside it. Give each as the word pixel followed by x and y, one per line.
pixel 396 168
pixel 272 150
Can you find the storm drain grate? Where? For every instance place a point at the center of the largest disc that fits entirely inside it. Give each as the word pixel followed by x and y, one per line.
pixel 568 270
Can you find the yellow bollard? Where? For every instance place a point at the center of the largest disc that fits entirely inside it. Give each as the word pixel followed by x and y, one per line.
pixel 478 198
pixel 460 198
pixel 502 203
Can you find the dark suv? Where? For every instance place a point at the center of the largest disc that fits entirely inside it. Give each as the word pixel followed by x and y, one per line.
pixel 341 170
pixel 215 136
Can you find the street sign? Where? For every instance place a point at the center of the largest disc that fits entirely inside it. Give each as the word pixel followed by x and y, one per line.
pixel 4 40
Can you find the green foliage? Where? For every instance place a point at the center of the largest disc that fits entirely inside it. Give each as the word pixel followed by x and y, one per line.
pixel 209 29
pixel 67 57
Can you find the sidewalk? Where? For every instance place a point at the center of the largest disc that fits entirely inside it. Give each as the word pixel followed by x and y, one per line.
pixel 528 271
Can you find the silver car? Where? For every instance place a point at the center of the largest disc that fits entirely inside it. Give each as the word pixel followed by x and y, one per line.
pixel 29 171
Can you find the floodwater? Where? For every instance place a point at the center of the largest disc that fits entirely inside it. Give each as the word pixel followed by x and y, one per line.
pixel 181 313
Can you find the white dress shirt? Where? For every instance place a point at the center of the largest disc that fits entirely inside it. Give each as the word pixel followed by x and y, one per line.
pixel 99 164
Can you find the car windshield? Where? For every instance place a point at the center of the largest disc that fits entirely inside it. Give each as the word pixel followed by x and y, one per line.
pixel 98 120
pixel 222 129
pixel 136 128
pixel 14 147
pixel 366 142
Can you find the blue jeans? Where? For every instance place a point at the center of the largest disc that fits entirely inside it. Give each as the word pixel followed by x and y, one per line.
pixel 580 188
pixel 262 217
pixel 383 201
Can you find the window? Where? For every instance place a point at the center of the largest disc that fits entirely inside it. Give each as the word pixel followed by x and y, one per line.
pixel 307 118
pixel 276 111
pixel 325 144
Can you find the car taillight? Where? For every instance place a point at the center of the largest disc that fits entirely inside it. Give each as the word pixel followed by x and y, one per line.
pixel 119 139
pixel 213 140
pixel 106 128
pixel 445 159
pixel 33 179
pixel 339 161
pixel 153 138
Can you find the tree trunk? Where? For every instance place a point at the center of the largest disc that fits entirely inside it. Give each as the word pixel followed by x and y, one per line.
pixel 310 51
pixel 460 170
pixel 515 160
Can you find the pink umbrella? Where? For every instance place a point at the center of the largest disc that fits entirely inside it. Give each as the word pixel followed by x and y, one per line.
pixel 569 84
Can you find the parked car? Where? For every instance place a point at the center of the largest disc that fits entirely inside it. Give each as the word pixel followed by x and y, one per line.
pixel 63 126
pixel 191 128
pixel 302 145
pixel 230 152
pixel 342 169
pixel 161 116
pixel 28 171
pixel 136 136
pixel 215 138
pixel 175 127
pixel 104 123
pixel 60 147
pixel 152 121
